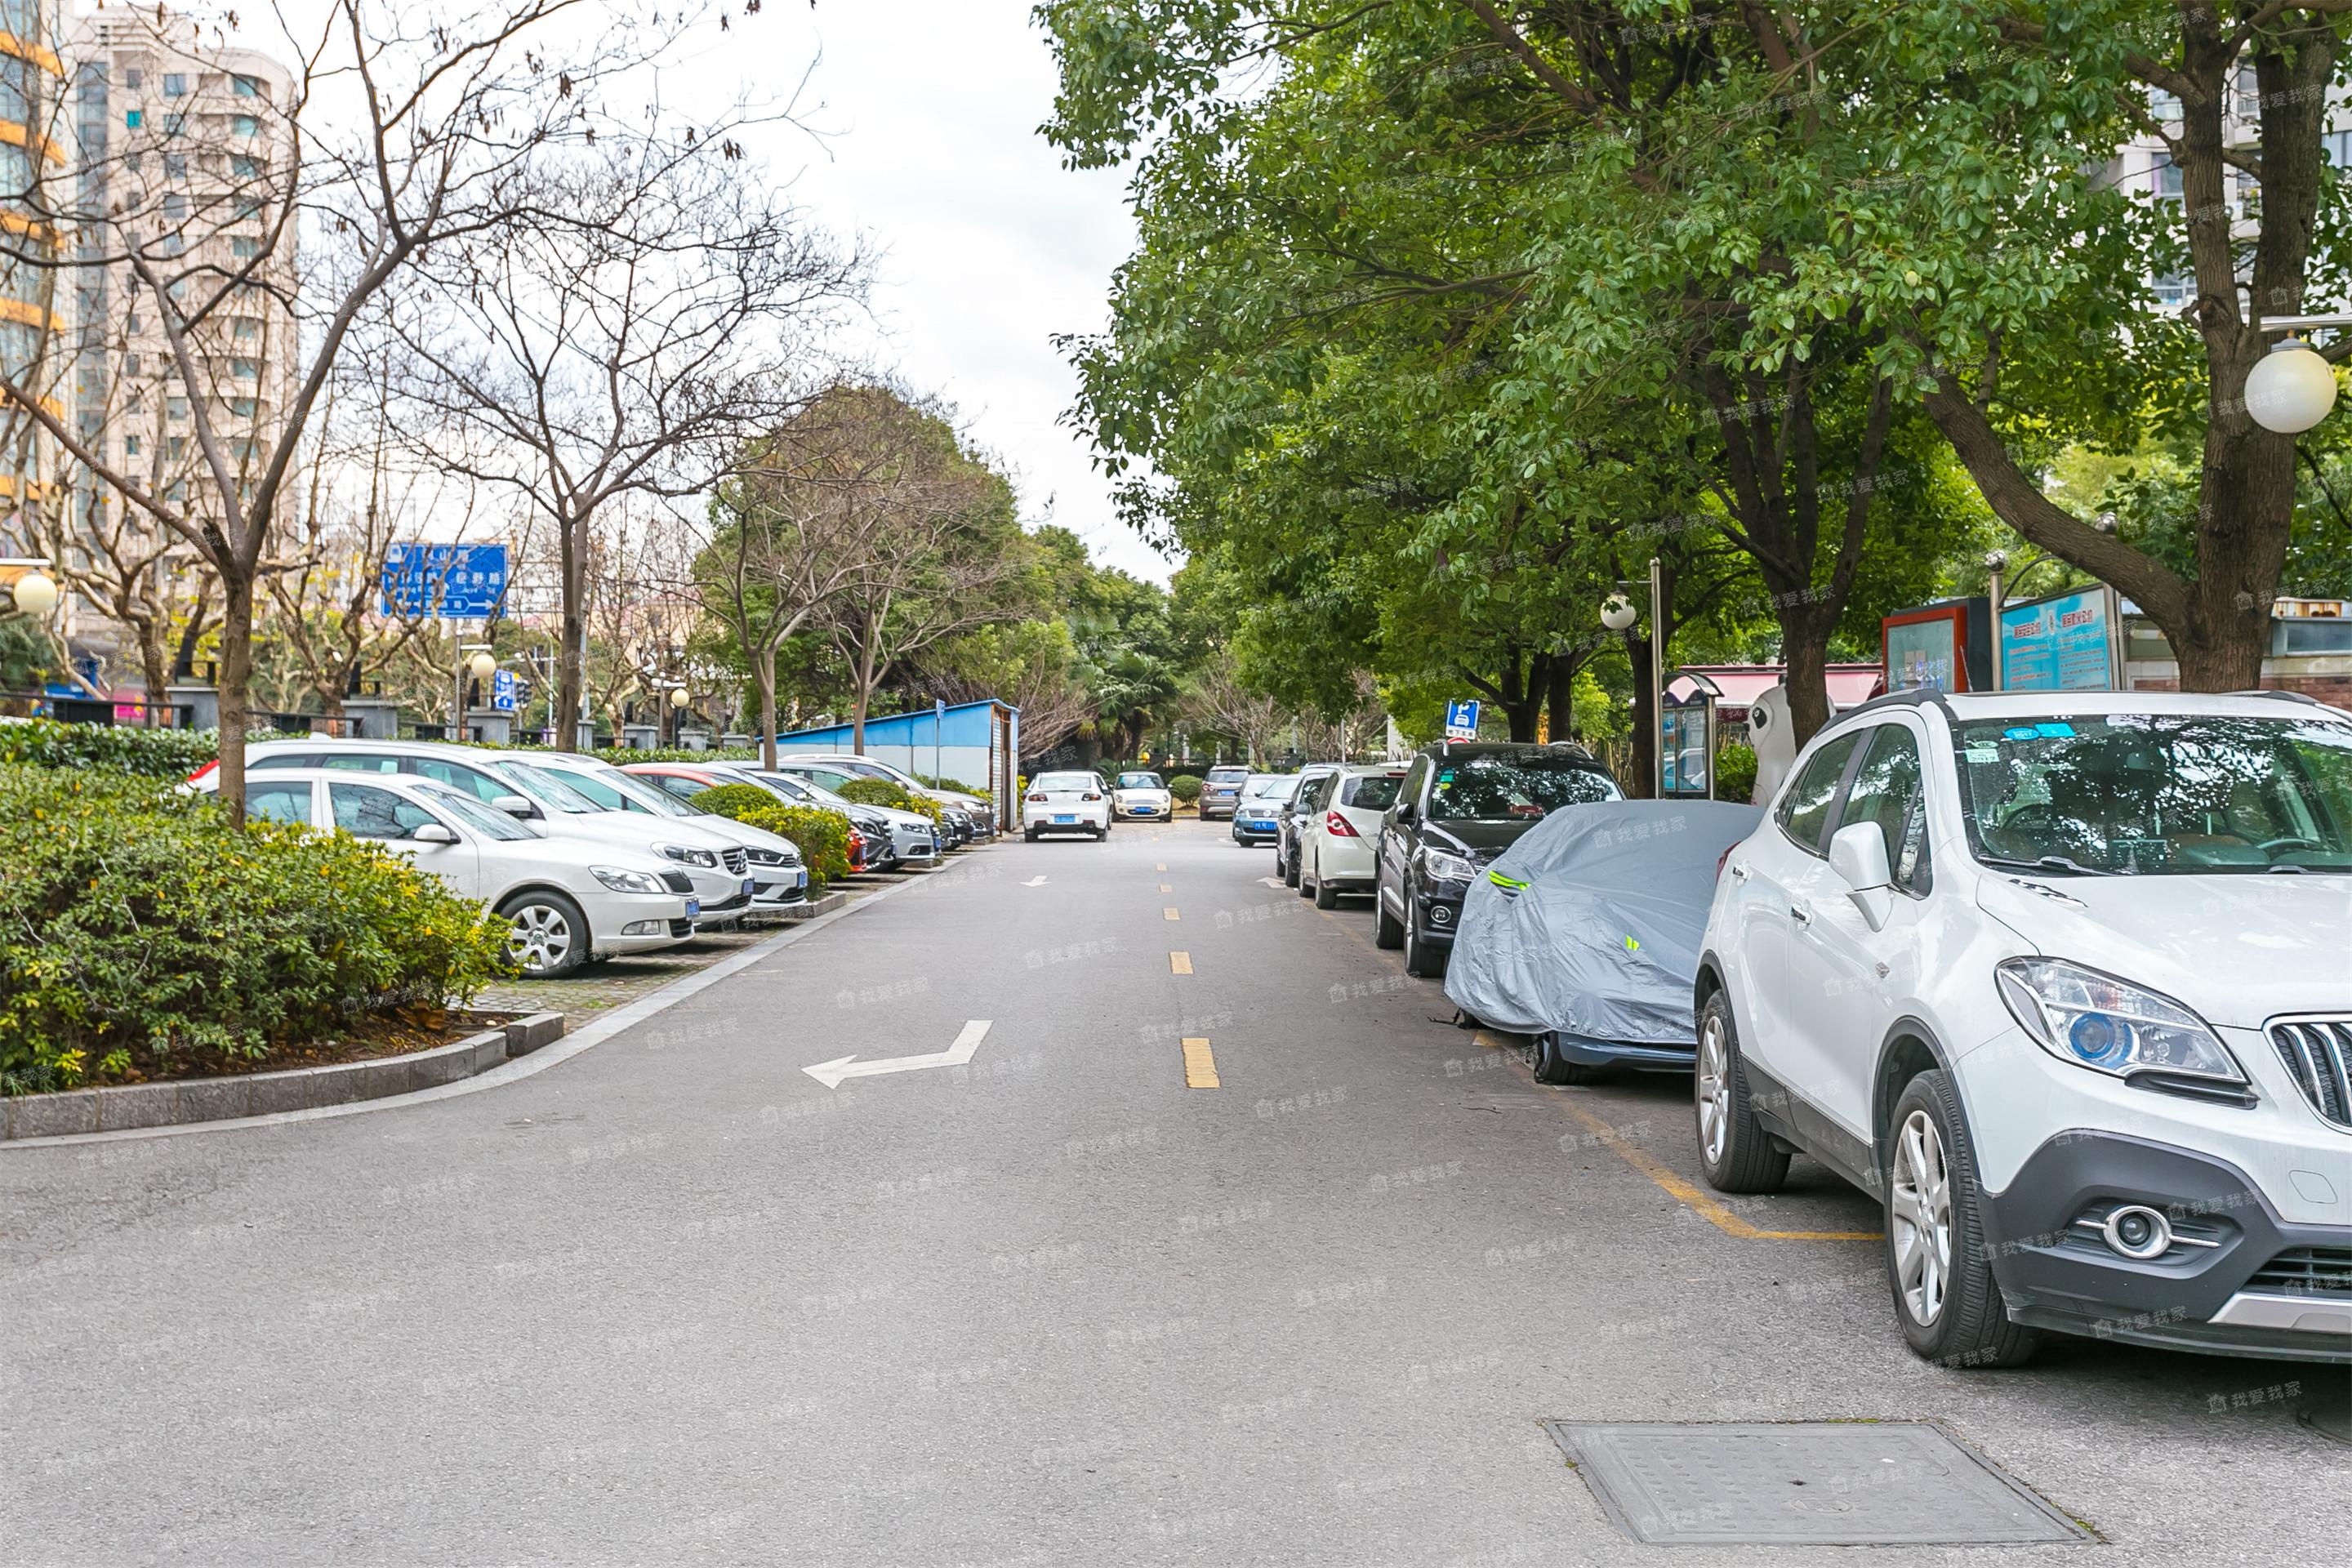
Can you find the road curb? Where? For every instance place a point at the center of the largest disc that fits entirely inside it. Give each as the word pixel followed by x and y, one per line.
pixel 541 1057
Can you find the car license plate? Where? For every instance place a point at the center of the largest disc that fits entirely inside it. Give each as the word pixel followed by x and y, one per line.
pixel 1145 810
pixel 693 908
pixel 750 885
pixel 1065 816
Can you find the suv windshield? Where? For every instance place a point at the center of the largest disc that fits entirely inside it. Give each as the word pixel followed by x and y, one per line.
pixel 1514 789
pixel 2154 795
pixel 545 788
pixel 1227 775
pixel 1141 781
pixel 616 792
pixel 1269 787
pixel 474 813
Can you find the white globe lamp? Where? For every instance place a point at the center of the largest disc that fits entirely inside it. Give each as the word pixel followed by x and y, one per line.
pixel 1617 612
pixel 677 697
pixel 483 666
pixel 35 594
pixel 2291 389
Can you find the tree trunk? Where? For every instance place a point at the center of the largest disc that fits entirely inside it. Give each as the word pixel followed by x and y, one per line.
pixel 1644 784
pixel 1805 652
pixel 236 678
pixel 763 669
pixel 572 659
pixel 1561 698
pixel 865 662
pixel 154 667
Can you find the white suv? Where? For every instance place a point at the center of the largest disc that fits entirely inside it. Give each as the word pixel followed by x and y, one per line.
pixel 2067 980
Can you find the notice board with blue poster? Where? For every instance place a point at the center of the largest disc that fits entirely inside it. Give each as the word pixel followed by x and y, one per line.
pixel 2064 643
pixel 456 582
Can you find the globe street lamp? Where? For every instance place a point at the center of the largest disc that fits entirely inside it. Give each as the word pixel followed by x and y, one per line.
pixel 1618 615
pixel 2293 386
pixel 34 593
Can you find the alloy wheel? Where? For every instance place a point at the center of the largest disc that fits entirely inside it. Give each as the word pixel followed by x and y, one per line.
pixel 1920 1218
pixel 1714 1088
pixel 542 937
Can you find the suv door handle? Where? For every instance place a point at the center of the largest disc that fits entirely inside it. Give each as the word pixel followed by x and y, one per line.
pixel 1802 914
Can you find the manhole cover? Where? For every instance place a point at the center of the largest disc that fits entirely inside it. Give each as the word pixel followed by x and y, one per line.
pixel 1808 1483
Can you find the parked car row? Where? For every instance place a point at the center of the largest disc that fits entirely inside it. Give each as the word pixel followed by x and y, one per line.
pixel 586 859
pixel 2063 980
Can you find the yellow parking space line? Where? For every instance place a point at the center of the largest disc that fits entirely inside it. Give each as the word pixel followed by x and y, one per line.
pixel 1161 867
pixel 1166 889
pixel 1682 1191
pixel 1199 1066
pixel 1690 1197
pixel 1179 964
pixel 1168 914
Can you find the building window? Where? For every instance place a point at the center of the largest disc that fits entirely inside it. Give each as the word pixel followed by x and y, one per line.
pixel 243 248
pixel 174 123
pixel 245 85
pixel 175 165
pixel 243 167
pixel 2164 107
pixel 2337 146
pixel 130 365
pixel 2175 290
pixel 175 407
pixel 175 85
pixel 131 78
pixel 131 118
pixel 130 445
pixel 245 369
pixel 2166 178
pixel 244 327
pixel 243 408
pixel 175 448
pixel 245 125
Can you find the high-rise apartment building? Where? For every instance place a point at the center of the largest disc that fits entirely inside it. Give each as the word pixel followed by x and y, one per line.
pixel 32 164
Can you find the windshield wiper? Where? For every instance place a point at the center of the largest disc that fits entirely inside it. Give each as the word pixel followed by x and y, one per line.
pixel 2053 863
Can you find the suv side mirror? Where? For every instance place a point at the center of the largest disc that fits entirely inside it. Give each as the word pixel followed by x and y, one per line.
pixel 1404 811
pixel 514 806
pixel 433 833
pixel 1858 855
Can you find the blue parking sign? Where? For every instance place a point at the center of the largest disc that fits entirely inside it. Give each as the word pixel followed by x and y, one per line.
pixel 1462 721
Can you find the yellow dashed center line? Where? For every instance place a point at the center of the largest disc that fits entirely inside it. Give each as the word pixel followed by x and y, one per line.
pixel 1682 1191
pixel 1166 889
pixel 1162 866
pixel 1199 1066
pixel 1179 964
pixel 1168 914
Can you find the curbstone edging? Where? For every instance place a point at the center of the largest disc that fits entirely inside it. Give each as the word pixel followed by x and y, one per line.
pixel 179 1101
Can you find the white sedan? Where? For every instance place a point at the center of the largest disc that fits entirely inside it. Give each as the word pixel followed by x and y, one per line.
pixel 570 899
pixel 1064 802
pixel 1141 796
pixel 1339 829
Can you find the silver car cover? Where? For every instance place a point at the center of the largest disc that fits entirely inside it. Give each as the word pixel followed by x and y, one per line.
pixel 1591 922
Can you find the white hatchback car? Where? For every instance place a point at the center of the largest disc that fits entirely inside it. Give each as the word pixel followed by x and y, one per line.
pixel 2067 979
pixel 1339 831
pixel 1141 796
pixel 1064 802
pixel 569 899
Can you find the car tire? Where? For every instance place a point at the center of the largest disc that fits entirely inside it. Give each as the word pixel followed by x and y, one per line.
pixel 1421 957
pixel 1326 897
pixel 1388 931
pixel 1290 868
pixel 551 935
pixel 1028 836
pixel 1550 1066
pixel 1937 1265
pixel 1735 1151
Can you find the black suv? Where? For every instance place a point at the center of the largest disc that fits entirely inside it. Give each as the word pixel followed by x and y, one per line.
pixel 1462 805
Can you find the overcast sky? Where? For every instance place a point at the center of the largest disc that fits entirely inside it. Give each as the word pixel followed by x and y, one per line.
pixel 990 248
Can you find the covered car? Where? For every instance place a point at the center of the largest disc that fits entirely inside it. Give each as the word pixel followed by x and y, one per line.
pixel 1584 935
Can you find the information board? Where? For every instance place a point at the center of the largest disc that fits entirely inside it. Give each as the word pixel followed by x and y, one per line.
pixel 2064 643
pixel 456 581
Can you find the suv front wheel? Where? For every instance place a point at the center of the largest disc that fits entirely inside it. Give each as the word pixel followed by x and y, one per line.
pixel 1936 1261
pixel 1733 1149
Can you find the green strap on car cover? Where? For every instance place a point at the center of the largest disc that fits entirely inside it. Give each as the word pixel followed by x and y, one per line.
pixel 1508 884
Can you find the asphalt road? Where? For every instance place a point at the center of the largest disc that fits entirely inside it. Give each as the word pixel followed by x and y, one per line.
pixel 674 1301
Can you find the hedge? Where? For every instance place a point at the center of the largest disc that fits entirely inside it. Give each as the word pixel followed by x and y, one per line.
pixel 1185 788
pixel 1735 772
pixel 891 793
pixel 822 836
pixel 171 755
pixel 141 931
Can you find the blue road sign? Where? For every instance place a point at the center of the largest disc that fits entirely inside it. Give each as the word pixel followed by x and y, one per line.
pixel 506 691
pixel 458 581
pixel 1462 721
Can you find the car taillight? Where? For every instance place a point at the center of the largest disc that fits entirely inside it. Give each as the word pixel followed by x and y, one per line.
pixel 1090 795
pixel 205 771
pixel 1039 799
pixel 1721 859
pixel 1339 826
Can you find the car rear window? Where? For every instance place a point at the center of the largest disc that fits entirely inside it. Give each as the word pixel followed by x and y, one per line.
pixel 1375 791
pixel 1066 781
pixel 1227 775
pixel 1505 788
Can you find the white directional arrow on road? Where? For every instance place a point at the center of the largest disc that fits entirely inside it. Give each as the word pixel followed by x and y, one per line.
pixel 1273 881
pixel 1034 882
pixel 830 1074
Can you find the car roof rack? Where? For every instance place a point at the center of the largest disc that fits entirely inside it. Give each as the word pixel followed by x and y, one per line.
pixel 1910 697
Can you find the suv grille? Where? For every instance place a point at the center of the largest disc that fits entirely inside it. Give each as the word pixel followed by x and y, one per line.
pixel 2318 1054
pixel 735 860
pixel 679 881
pixel 2307 1270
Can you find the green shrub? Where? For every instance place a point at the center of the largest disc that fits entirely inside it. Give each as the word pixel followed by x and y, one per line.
pixel 890 793
pixel 139 931
pixel 171 755
pixel 1185 787
pixel 822 836
pixel 1735 772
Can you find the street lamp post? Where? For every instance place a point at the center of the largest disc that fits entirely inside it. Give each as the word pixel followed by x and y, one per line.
pixel 1618 613
pixel 481 666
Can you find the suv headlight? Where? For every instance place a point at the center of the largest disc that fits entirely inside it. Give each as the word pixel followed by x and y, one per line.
pixel 624 881
pixel 688 854
pixel 760 857
pixel 2096 1021
pixel 1444 867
